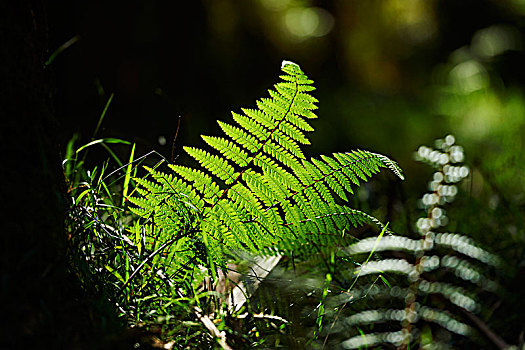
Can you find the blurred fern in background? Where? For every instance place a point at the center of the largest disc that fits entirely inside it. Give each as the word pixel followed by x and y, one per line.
pixel 418 292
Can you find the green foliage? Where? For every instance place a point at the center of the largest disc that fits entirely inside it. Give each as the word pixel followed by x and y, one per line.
pixel 156 262
pixel 123 279
pixel 255 190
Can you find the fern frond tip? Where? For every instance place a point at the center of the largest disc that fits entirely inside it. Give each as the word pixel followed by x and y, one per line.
pixel 285 63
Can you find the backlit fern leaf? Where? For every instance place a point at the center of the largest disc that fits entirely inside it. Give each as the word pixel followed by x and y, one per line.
pixel 255 190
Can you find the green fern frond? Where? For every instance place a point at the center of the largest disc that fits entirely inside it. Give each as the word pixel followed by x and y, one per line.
pixel 228 149
pixel 255 190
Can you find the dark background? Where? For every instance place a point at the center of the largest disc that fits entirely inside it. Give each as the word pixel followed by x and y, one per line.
pixel 374 68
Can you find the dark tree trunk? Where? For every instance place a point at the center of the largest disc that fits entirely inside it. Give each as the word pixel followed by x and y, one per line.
pixel 39 303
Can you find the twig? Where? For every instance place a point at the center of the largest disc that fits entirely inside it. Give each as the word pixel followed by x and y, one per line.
pixel 483 327
pixel 208 323
pixel 175 139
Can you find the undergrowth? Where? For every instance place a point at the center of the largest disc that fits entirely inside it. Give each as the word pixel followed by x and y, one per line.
pixel 159 261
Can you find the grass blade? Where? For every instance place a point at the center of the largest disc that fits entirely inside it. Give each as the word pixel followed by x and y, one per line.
pixel 128 174
pixel 102 115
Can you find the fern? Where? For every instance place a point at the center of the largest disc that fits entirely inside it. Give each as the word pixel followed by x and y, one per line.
pixel 426 303
pixel 254 189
